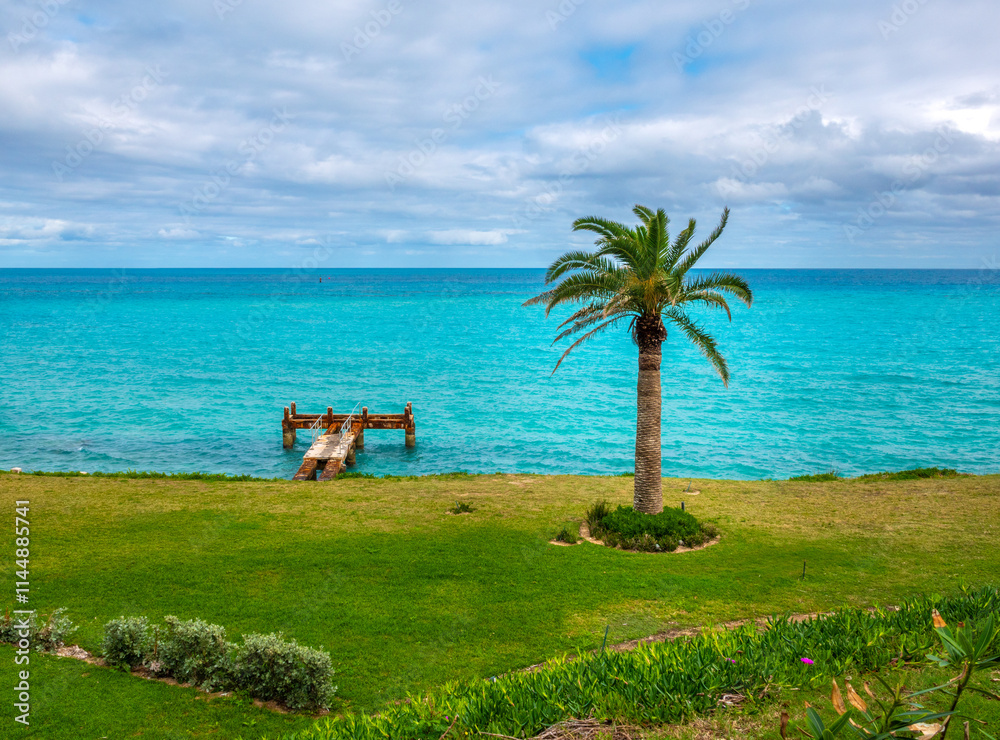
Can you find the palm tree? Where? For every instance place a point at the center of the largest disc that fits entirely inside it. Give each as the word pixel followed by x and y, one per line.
pixel 637 275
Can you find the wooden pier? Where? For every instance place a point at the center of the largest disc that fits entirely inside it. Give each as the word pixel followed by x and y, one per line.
pixel 338 436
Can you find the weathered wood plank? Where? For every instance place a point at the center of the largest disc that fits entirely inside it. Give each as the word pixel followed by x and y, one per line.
pixel 331 470
pixel 307 470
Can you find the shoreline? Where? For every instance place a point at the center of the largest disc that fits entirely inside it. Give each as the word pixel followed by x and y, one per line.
pixel 909 474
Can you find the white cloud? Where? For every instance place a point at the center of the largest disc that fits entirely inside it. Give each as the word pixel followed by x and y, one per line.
pixel 177 233
pixel 586 118
pixel 469 236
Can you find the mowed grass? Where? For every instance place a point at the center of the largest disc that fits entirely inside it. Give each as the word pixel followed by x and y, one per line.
pixel 406 596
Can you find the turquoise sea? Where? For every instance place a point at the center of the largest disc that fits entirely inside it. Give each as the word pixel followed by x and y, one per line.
pixel 188 370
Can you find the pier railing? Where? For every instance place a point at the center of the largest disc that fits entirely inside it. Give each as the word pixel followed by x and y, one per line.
pixel 346 426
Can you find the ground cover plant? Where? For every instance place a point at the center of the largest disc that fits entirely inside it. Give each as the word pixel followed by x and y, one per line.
pixel 670 681
pixel 406 599
pixel 789 708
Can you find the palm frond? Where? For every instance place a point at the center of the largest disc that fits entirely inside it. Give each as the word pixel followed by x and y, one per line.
pixel 673 252
pixel 626 251
pixel 709 298
pixel 702 340
pixel 585 322
pixel 695 254
pixel 603 327
pixel 583 286
pixel 578 260
pixel 603 226
pixel 725 282
pixel 644 213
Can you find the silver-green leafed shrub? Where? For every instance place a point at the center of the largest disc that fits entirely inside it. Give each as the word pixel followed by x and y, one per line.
pixel 126 642
pixel 193 651
pixel 45 635
pixel 272 668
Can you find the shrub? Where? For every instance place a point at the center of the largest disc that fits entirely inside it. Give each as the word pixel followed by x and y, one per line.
pixel 568 536
pixel 461 507
pixel 624 527
pixel 127 642
pixel 595 515
pixel 45 636
pixel 265 666
pixel 272 668
pixel 193 651
pixel 628 522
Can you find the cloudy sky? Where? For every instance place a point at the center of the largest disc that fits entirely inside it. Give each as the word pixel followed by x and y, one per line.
pixel 252 133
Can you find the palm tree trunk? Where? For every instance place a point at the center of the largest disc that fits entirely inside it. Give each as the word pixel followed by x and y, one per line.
pixel 648 497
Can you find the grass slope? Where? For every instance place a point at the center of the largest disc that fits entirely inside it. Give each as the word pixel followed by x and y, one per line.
pixel 406 596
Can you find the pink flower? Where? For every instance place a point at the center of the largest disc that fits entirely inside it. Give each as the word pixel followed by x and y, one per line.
pixel 807 661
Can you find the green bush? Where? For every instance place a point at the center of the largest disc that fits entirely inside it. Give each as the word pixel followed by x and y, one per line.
pixel 127 642
pixel 45 635
pixel 461 507
pixel 567 535
pixel 595 515
pixel 274 669
pixel 193 651
pixel 664 532
pixel 267 667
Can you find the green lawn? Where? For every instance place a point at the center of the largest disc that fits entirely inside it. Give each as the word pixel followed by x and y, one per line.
pixel 405 596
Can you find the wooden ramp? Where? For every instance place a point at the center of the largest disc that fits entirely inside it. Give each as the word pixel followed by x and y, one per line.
pixel 334 448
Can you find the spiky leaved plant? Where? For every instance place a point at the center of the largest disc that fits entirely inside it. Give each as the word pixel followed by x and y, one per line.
pixel 637 275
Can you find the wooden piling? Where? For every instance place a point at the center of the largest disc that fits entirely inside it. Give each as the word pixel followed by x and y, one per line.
pixel 411 426
pixel 287 430
pixel 360 441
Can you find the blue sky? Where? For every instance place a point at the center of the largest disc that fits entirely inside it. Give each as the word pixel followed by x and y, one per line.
pixel 251 133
